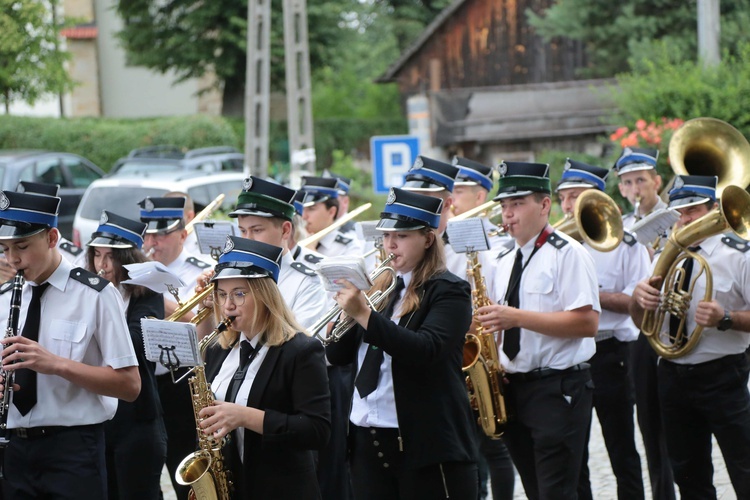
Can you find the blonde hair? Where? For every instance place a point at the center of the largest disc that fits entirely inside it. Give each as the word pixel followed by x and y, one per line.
pixel 431 264
pixel 272 317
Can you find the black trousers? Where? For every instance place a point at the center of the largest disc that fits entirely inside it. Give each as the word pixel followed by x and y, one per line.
pixel 135 451
pixel 499 465
pixel 179 422
pixel 65 464
pixel 643 363
pixel 334 478
pixel 547 434
pixel 613 402
pixel 698 401
pixel 377 472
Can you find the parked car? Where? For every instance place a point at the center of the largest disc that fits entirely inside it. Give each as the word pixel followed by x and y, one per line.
pixel 122 194
pixel 72 172
pixel 156 159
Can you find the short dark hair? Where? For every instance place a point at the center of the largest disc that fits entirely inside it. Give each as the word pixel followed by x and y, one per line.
pixel 332 202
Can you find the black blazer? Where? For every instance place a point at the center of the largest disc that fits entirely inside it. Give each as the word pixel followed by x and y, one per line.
pixel 292 388
pixel 147 405
pixel 435 420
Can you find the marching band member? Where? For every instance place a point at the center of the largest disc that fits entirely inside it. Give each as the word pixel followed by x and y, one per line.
pixel 343 184
pixel 640 183
pixel 618 272
pixel 73 359
pixel 321 206
pixel 165 239
pixel 412 434
pixel 704 392
pixel 135 439
pixel 548 311
pixel 269 379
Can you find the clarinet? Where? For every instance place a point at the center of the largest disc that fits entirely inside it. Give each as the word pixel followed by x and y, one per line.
pixel 10 331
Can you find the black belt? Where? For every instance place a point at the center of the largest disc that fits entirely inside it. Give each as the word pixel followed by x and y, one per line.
pixel 541 373
pixel 703 369
pixel 38 432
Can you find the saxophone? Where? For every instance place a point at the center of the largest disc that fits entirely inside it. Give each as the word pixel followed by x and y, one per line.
pixel 481 361
pixel 204 470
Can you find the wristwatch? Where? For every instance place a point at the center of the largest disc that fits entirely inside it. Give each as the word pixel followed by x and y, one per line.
pixel 726 322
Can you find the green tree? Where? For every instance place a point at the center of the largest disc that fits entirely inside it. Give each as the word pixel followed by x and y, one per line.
pixel 31 62
pixel 618 34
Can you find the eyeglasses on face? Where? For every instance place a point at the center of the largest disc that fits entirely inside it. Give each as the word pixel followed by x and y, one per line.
pixel 237 297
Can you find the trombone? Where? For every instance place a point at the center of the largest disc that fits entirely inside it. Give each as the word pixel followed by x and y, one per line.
pixel 205 213
pixel 376 300
pixel 311 240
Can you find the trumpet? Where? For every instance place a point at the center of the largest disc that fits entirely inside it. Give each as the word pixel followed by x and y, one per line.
pixel 377 300
pixel 189 305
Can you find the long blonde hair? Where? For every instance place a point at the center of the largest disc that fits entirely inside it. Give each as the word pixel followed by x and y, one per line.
pixel 272 317
pixel 431 264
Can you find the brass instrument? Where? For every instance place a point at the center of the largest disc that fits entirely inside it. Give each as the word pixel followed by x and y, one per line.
pixel 481 361
pixel 596 220
pixel 205 213
pixel 189 305
pixel 377 301
pixel 315 238
pixel 204 469
pixel 488 210
pixel 733 213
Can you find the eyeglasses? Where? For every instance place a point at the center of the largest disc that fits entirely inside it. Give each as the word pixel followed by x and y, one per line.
pixel 238 297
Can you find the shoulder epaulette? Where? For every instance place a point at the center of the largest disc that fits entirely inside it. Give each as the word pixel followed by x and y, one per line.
pixel 735 242
pixel 312 258
pixel 299 266
pixel 197 263
pixel 88 278
pixel 628 238
pixel 348 227
pixel 556 241
pixel 342 239
pixel 70 248
pixel 8 285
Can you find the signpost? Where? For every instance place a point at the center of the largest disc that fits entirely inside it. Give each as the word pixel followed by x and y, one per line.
pixel 392 156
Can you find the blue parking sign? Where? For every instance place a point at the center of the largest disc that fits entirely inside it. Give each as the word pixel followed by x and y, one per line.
pixel 392 156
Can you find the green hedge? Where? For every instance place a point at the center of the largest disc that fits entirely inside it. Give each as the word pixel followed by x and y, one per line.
pixel 103 141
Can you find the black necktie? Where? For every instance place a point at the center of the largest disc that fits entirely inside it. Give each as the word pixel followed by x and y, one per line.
pixel 247 354
pixel 25 399
pixel 367 379
pixel 674 321
pixel 512 336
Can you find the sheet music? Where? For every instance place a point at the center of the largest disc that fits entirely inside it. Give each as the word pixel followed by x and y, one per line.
pixel 369 233
pixel 177 338
pixel 212 236
pixel 468 235
pixel 153 275
pixel 349 268
pixel 654 225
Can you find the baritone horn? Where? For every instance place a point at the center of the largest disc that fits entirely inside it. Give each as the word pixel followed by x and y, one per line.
pixel 596 220
pixel 376 300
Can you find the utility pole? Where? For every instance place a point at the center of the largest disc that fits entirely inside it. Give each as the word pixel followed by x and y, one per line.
pixel 298 88
pixel 708 32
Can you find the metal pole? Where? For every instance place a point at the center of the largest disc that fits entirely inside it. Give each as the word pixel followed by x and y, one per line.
pixel 257 87
pixel 708 32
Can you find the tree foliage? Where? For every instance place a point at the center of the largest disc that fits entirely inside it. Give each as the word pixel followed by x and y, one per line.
pixel 31 62
pixel 619 34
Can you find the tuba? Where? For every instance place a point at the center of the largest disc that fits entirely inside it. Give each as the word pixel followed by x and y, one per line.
pixel 204 470
pixel 481 362
pixel 377 300
pixel 596 220
pixel 733 213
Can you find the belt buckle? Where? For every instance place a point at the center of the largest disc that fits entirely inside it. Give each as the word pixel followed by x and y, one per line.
pixel 21 432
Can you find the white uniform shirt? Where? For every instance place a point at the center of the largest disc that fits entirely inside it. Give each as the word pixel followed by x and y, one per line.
pixel 731 289
pixel 619 271
pixel 85 325
pixel 302 291
pixel 629 219
pixel 337 243
pixel 557 279
pixel 226 372
pixel 378 409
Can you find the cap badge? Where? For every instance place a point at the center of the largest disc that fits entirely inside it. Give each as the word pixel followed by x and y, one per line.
pixel 103 219
pixel 502 169
pixel 4 202
pixel 418 163
pixel 391 198
pixel 455 160
pixel 567 165
pixel 247 184
pixel 148 205
pixel 679 183
pixel 228 246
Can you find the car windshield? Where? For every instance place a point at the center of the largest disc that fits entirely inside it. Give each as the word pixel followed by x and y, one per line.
pixel 123 201
pixel 141 168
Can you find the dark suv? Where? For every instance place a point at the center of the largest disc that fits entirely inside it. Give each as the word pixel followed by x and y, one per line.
pixel 159 159
pixel 72 172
